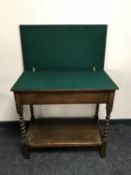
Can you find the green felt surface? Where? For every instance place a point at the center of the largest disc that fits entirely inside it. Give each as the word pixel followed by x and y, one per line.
pixel 48 80
pixel 63 47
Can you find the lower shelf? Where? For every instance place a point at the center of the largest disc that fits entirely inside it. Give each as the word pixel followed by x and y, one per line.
pixel 64 133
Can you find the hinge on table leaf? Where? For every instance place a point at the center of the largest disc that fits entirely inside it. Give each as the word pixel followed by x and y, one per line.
pixel 33 69
pixel 94 69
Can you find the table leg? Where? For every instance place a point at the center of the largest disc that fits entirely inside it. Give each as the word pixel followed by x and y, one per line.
pixel 32 112
pixel 24 147
pixel 106 126
pixel 105 137
pixel 96 112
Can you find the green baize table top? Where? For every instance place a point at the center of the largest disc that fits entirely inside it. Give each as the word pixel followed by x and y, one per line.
pixel 64 80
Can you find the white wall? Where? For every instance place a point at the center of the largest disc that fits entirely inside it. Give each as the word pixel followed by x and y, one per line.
pixel 118 53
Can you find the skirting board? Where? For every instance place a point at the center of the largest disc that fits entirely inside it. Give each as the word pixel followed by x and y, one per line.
pixel 15 124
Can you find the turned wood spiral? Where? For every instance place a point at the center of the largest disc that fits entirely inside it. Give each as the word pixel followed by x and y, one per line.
pixel 106 128
pixel 22 126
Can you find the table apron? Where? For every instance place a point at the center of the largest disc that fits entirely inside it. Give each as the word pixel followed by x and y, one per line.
pixel 63 97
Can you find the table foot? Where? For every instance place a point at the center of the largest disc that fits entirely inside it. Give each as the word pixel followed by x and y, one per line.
pixel 103 149
pixel 25 151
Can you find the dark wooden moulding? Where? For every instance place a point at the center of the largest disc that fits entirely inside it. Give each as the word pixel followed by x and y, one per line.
pixel 64 132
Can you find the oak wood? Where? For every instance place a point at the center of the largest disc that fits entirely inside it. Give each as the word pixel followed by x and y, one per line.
pixel 19 108
pixel 97 112
pixel 64 97
pixel 32 112
pixel 109 106
pixel 64 133
pixel 25 150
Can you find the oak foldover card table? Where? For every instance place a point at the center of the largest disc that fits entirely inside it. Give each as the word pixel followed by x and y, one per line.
pixel 64 64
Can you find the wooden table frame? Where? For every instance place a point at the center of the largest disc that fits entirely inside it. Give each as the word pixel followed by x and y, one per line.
pixel 89 96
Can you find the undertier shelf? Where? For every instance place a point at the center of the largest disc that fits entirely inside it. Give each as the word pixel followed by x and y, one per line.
pixel 64 133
